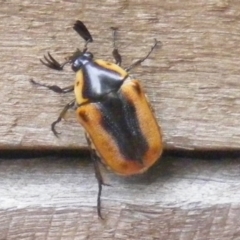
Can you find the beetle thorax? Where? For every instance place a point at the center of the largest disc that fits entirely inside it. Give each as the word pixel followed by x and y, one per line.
pixel 96 79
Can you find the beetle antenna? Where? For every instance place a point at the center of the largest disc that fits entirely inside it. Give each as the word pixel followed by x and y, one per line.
pixel 83 32
pixel 85 46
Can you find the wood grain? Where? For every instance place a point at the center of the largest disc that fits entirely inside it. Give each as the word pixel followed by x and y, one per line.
pixel 192 81
pixel 54 198
pixel 193 84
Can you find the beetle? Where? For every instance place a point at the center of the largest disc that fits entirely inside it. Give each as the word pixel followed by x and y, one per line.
pixel 121 129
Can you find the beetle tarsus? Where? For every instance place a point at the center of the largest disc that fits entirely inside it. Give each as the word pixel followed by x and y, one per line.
pixel 99 200
pixel 53 127
pixel 100 183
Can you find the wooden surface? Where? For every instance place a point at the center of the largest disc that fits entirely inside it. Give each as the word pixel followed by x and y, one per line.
pixel 52 198
pixel 193 84
pixel 192 81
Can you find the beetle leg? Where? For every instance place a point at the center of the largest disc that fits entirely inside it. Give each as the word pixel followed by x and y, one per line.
pixel 115 53
pixel 96 160
pixel 98 175
pixel 52 63
pixel 54 88
pixel 100 183
pixel 138 62
pixel 61 116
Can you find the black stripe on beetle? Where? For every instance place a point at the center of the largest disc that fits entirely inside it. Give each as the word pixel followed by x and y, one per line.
pixel 119 119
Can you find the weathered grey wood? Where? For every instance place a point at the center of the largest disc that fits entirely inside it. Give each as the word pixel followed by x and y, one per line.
pixel 192 81
pixel 52 198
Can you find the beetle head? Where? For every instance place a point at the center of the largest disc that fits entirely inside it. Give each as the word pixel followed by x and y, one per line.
pixel 81 60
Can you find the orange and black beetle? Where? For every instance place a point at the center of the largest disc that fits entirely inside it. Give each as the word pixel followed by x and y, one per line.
pixel 120 126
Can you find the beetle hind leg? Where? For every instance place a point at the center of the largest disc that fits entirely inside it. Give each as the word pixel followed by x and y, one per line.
pixel 100 184
pixel 138 62
pixel 96 160
pixel 115 53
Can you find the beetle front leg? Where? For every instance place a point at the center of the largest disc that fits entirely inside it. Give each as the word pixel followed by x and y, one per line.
pixel 50 62
pixel 61 116
pixel 138 62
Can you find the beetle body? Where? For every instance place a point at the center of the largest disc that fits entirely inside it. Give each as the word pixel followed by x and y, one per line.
pixel 117 117
pixel 120 126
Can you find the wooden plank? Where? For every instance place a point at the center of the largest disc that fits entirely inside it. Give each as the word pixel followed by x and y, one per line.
pixel 192 81
pixel 54 198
